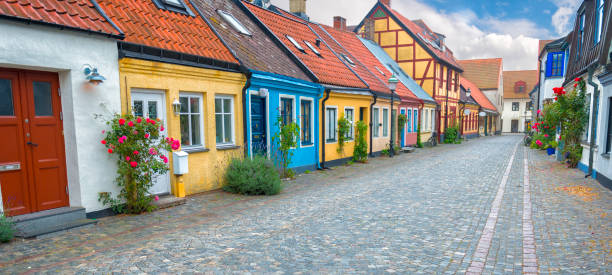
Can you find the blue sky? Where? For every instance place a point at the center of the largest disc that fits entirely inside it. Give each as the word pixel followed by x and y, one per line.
pixel 510 29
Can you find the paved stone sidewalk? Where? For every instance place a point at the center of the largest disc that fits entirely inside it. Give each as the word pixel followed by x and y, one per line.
pixel 419 213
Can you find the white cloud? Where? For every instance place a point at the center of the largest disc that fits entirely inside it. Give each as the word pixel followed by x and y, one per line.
pixel 467 35
pixel 563 18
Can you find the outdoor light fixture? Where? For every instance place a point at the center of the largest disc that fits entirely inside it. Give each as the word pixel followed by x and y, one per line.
pixel 393 83
pixel 392 86
pixel 92 75
pixel 176 106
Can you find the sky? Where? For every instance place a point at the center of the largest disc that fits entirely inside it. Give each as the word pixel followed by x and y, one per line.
pixel 509 29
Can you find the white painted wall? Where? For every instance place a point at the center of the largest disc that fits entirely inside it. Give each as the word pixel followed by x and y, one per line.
pixel 603 164
pixel 90 169
pixel 548 83
pixel 508 115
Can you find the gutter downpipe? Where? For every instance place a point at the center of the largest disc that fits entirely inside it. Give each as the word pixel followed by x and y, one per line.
pixel 317 148
pixel 371 124
pixel 247 85
pixel 322 164
pixel 593 120
pixel 392 141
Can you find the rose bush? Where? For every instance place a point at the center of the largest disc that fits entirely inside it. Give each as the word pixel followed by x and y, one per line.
pixel 141 150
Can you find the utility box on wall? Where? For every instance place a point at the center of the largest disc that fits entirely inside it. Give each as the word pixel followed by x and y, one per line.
pixel 180 162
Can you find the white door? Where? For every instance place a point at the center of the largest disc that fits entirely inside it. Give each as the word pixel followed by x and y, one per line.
pixel 151 104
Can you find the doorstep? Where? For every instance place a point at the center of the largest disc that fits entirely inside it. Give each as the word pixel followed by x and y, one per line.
pixel 168 201
pixel 50 221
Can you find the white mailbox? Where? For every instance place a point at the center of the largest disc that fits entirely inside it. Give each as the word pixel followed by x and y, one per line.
pixel 180 162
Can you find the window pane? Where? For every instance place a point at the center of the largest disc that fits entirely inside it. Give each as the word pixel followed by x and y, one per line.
pixel 137 107
pixel 6 98
pixel 185 130
pixel 43 104
pixel 218 105
pixel 195 130
pixel 227 106
pixel 385 122
pixel 194 104
pixel 227 123
pixel 219 127
pixel 184 104
pixel 152 109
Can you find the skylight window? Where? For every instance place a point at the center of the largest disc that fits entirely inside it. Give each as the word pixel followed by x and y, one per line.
pixel 379 70
pixel 313 49
pixel 295 43
pixel 177 3
pixel 229 18
pixel 348 59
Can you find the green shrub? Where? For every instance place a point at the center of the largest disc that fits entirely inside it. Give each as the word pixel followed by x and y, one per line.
pixel 344 126
pixel 283 141
pixel 451 135
pixel 360 152
pixel 419 144
pixel 7 229
pixel 256 176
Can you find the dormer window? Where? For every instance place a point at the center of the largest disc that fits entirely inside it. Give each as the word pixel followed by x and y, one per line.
pixel 520 87
pixel 350 61
pixel 174 2
pixel 312 48
pixel 229 18
pixel 295 43
pixel 174 5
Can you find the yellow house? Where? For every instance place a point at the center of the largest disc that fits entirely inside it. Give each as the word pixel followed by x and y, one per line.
pixel 180 72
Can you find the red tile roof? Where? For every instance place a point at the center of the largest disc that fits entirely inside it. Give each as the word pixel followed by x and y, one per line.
pixel 351 43
pixel 77 14
pixel 485 73
pixel 328 68
pixel 477 94
pixel 146 24
pixel 530 77
pixel 446 55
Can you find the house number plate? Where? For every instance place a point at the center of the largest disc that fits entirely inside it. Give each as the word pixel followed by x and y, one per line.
pixel 10 167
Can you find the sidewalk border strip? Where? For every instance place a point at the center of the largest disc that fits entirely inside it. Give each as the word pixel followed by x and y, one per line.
pixel 530 260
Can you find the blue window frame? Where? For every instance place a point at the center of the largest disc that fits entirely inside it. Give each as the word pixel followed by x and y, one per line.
pixel 415 120
pixel 555 64
pixel 408 121
pixel 306 120
pixel 580 35
pixel 599 14
pixel 286 111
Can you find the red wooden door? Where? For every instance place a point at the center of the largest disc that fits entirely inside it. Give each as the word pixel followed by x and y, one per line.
pixel 36 143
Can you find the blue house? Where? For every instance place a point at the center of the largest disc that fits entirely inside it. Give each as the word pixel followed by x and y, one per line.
pixel 278 89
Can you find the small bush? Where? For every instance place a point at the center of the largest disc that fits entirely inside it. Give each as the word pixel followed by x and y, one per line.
pixel 256 176
pixel 360 152
pixel 7 229
pixel 451 135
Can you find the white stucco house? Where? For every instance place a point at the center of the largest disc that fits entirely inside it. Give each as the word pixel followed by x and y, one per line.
pixel 552 63
pixel 51 153
pixel 517 105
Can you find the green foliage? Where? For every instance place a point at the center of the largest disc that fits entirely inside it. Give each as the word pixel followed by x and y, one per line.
pixel 360 152
pixel 283 141
pixel 256 176
pixel 553 144
pixel 401 122
pixel 7 229
pixel 385 152
pixel 451 135
pixel 344 126
pixel 138 145
pixel 419 144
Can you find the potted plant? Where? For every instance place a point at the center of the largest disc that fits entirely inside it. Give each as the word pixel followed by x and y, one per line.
pixel 551 148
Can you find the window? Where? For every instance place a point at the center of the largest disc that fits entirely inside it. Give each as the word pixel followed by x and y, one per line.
pixel 580 35
pixel 528 106
pixel 229 18
pixel 349 114
pixel 609 137
pixel 554 64
pixel 515 106
pixel 306 122
pixel 385 125
pixel 313 49
pixel 426 120
pixel 192 132
pixel 350 61
pixel 224 120
pixel 520 87
pixel 331 119
pixel 295 43
pixel 376 121
pixel 173 2
pixel 415 118
pixel 433 120
pixel 173 5
pixel 286 110
pixel 599 14
pixel 408 121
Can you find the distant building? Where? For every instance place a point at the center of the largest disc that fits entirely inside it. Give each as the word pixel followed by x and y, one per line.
pixel 516 114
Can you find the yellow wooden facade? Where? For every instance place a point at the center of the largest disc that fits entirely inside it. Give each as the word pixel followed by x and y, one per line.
pixel 470 121
pixel 206 167
pixel 382 141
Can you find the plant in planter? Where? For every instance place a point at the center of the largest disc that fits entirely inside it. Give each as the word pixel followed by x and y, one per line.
pixel 7 229
pixel 344 126
pixel 283 141
pixel 551 147
pixel 360 151
pixel 141 151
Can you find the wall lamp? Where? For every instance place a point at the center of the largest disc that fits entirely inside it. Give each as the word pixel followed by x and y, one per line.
pixel 176 106
pixel 92 75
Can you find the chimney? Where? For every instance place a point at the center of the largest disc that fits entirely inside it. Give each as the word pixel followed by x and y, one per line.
pixel 298 7
pixel 386 2
pixel 340 23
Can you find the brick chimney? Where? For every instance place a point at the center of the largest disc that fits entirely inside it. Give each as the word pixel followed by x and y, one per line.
pixel 298 7
pixel 340 23
pixel 386 2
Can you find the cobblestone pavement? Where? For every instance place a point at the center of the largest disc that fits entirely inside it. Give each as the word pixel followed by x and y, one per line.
pixel 419 213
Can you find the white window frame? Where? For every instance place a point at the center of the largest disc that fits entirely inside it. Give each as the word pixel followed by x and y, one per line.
pixel 432 117
pixel 233 21
pixel 295 43
pixel 351 137
pixel 312 122
pixel 327 123
pixel 201 102
pixel 425 121
pixel 312 48
pixel 376 122
pixel 233 121
pixel 293 110
pixel 385 124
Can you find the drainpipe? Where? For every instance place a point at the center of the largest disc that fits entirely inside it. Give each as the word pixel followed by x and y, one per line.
pixel 247 85
pixel 392 144
pixel 371 124
pixel 593 120
pixel 327 91
pixel 320 95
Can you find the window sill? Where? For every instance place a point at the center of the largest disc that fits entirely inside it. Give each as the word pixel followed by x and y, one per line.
pixel 307 144
pixel 606 155
pixel 331 141
pixel 227 147
pixel 195 150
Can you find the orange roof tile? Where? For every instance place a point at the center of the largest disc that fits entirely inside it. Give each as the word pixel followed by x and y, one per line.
pixel 328 68
pixel 146 24
pixel 485 73
pixel 477 94
pixel 77 14
pixel 530 77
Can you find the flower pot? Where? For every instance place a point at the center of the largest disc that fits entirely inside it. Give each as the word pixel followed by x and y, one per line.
pixel 550 151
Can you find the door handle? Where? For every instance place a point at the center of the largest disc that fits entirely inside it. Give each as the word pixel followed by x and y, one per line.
pixel 33 144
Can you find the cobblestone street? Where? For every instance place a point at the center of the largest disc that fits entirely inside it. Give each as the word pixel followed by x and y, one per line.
pixel 452 209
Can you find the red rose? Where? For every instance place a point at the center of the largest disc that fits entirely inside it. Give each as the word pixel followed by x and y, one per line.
pixel 146 135
pixel 578 79
pixel 556 98
pixel 575 85
pixel 127 158
pixel 134 164
pixel 162 128
pixel 131 124
pixel 110 151
pixel 103 141
pixel 153 122
pixel 139 120
pixel 121 121
pixel 136 152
